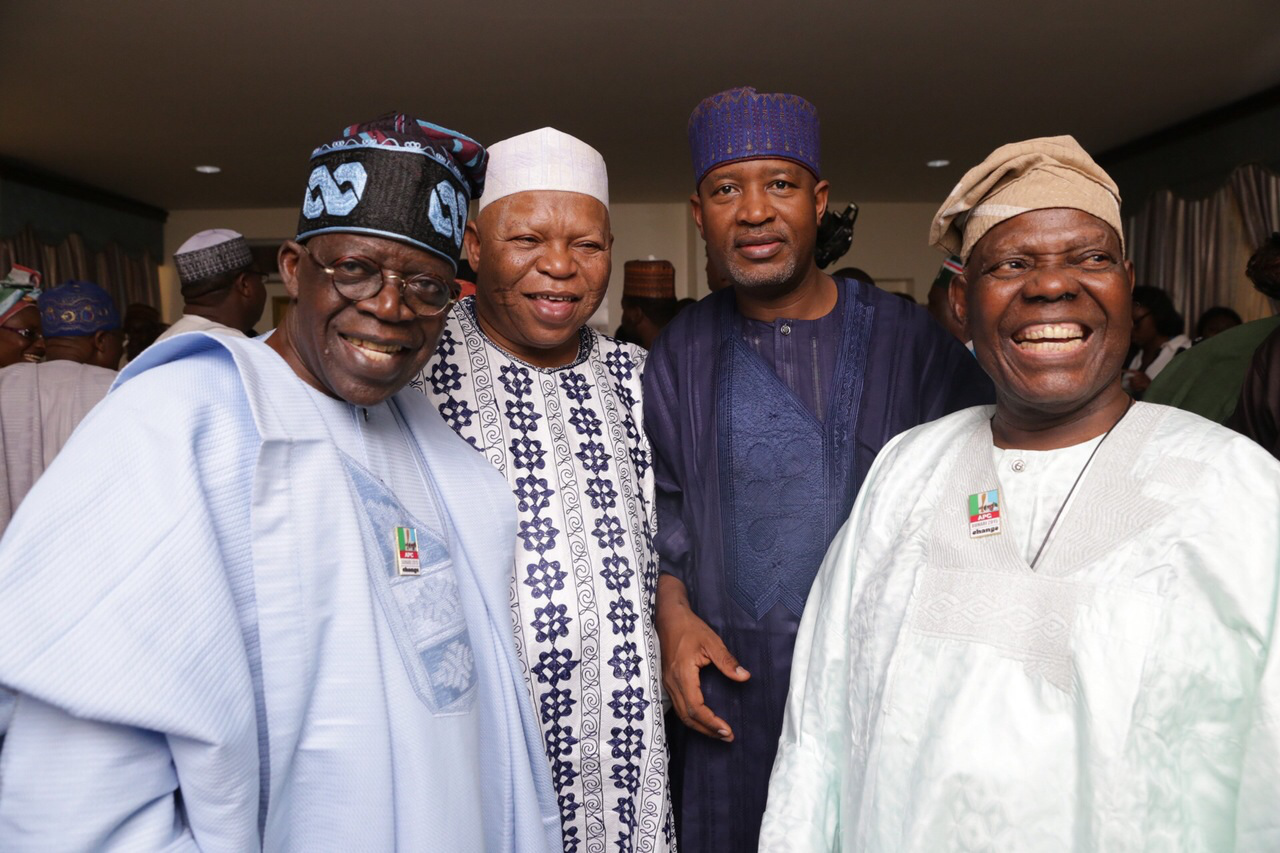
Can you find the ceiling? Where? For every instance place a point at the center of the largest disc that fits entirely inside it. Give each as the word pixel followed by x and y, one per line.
pixel 129 96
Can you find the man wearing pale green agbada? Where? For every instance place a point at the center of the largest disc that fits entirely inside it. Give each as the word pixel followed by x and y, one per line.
pixel 1047 624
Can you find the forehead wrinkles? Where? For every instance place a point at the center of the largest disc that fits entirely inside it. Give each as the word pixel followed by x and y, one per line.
pixel 560 217
pixel 1036 237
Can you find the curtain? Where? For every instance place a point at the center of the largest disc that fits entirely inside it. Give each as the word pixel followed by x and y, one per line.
pixel 1196 249
pixel 1257 191
pixel 128 278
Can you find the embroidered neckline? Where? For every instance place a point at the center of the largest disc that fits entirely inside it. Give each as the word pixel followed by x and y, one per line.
pixel 586 340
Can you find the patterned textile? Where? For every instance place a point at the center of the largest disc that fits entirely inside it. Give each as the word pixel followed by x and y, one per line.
pixel 211 253
pixel 397 177
pixel 741 124
pixel 14 299
pixel 570 444
pixel 1053 171
pixel 77 308
pixel 649 280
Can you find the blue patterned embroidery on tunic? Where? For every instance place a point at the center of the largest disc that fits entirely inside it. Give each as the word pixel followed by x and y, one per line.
pixel 778 466
pixel 424 611
pixel 569 442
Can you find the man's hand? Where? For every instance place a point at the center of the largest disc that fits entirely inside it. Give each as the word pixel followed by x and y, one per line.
pixel 689 644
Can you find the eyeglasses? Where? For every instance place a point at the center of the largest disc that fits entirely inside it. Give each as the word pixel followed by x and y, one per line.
pixel 29 335
pixel 359 278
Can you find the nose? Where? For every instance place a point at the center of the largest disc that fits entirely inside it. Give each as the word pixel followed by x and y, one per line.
pixel 557 260
pixel 388 303
pixel 1051 282
pixel 37 345
pixel 755 206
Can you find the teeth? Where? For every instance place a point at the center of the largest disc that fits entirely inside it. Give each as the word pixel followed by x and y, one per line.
pixel 373 346
pixel 1052 331
pixel 1051 346
pixel 555 298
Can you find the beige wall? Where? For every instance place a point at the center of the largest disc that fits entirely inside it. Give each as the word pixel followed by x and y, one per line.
pixel 889 243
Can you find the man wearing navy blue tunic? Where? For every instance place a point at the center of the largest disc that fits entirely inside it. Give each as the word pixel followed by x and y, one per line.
pixel 765 404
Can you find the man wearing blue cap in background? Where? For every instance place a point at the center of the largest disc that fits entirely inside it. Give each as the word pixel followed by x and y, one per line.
pixel 260 599
pixel 765 404
pixel 41 404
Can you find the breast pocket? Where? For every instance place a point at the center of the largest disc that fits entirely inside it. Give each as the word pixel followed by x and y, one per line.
pixel 424 611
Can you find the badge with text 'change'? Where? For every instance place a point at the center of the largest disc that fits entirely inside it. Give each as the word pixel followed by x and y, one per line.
pixel 407 560
pixel 984 514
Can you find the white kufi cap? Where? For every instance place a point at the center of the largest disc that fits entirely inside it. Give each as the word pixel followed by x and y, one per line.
pixel 544 159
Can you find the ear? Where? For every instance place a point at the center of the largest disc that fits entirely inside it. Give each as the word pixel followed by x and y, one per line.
pixel 1128 268
pixel 471 246
pixel 695 207
pixel 956 295
pixel 98 341
pixel 820 197
pixel 287 258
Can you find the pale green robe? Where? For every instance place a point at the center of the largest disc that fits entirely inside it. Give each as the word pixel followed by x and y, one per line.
pixel 945 697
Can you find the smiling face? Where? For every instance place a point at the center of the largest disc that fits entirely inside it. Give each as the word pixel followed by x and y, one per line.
pixel 365 351
pixel 760 222
pixel 1046 299
pixel 20 337
pixel 542 262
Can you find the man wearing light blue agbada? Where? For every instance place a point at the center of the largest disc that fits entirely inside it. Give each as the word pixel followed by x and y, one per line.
pixel 259 601
pixel 1048 624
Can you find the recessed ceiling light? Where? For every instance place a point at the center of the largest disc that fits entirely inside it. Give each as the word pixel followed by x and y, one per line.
pixel 208 170
pixel 938 164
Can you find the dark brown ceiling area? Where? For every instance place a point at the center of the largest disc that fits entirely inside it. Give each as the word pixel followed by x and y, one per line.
pixel 130 96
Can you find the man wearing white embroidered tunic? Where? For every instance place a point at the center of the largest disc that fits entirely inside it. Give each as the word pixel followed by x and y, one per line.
pixel 556 408
pixel 259 599
pixel 1047 625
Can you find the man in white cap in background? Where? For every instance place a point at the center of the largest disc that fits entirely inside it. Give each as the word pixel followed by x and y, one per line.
pixel 556 408
pixel 221 290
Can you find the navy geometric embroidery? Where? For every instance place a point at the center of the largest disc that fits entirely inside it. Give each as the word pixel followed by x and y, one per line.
pixel 555 666
pixel 569 805
pixel 627 742
pixel 563 774
pixel 616 573
pixel 602 493
pixel 620 364
pixel 560 740
pixel 576 387
pixel 626 811
pixel 640 460
pixel 447 346
pixel 556 704
pixel 533 492
pixel 625 661
pixel 544 578
pixel 609 532
pixel 521 416
pixel 584 421
pixel 515 380
pixel 550 621
pixel 625 776
pixel 624 394
pixel 622 616
pixel 456 413
pixel 629 704
pixel 593 457
pixel 445 377
pixel 527 453
pixel 537 535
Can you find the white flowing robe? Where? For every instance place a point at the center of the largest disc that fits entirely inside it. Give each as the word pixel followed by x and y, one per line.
pixel 1123 696
pixel 212 649
pixel 570 443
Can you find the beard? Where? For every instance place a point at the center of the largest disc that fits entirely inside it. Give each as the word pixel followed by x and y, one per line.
pixel 762 278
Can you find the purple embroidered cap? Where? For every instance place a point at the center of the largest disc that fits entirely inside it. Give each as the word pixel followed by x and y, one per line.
pixel 742 124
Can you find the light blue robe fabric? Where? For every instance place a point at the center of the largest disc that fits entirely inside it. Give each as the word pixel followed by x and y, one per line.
pixel 197 597
pixel 1123 696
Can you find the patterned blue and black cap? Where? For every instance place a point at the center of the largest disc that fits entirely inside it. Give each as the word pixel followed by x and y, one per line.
pixel 742 124
pixel 77 308
pixel 396 177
